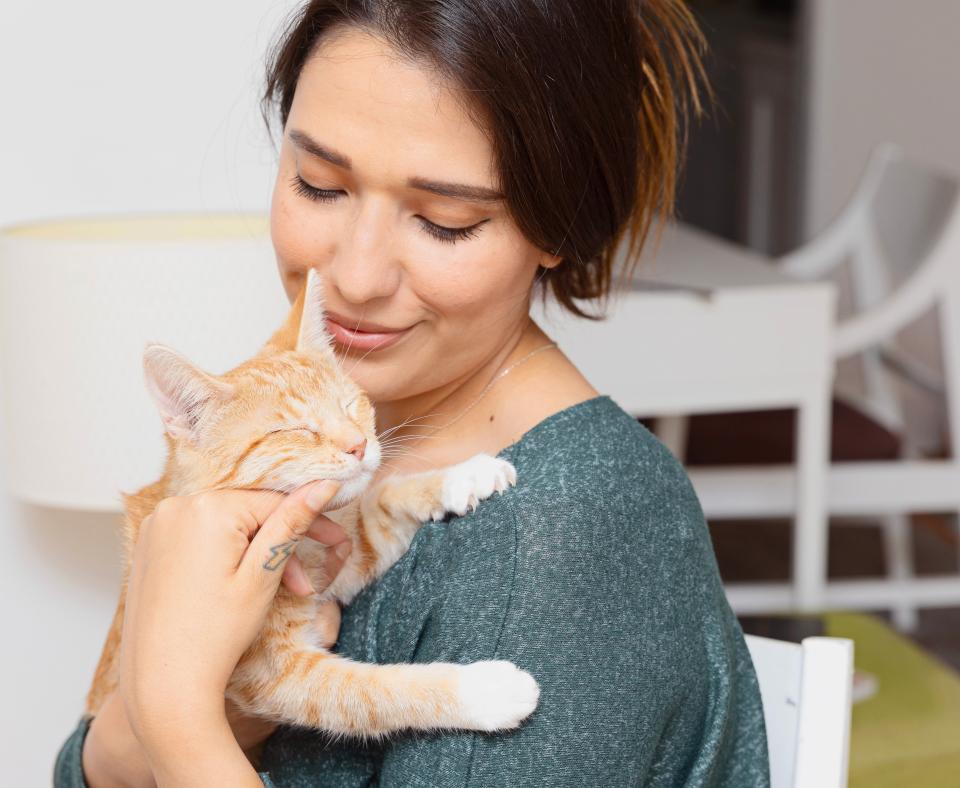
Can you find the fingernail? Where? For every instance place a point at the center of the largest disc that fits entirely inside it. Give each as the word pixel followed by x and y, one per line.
pixel 343 550
pixel 320 494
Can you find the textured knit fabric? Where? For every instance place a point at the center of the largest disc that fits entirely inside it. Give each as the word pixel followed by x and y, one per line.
pixel 596 574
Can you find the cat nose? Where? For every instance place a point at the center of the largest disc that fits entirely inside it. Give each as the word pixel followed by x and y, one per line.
pixel 359 449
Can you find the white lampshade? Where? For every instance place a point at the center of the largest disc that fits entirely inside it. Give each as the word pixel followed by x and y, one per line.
pixel 79 300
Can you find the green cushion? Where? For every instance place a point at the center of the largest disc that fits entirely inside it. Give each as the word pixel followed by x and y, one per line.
pixel 908 733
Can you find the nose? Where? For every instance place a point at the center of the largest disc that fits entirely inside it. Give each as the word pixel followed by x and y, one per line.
pixel 358 449
pixel 363 267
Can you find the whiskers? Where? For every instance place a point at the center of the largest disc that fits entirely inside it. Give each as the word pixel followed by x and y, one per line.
pixel 404 469
pixel 350 344
pixel 395 447
pixel 406 422
pixel 355 328
pixel 375 347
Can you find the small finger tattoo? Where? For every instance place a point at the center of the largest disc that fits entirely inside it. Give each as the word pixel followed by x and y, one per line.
pixel 278 554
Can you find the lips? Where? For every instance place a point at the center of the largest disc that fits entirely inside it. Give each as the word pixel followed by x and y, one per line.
pixel 366 326
pixel 360 335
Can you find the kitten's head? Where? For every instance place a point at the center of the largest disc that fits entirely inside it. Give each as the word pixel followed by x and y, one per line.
pixel 288 416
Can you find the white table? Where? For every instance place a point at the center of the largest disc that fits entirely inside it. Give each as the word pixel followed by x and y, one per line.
pixel 709 326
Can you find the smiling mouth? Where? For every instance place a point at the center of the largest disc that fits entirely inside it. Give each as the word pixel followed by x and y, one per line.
pixel 370 337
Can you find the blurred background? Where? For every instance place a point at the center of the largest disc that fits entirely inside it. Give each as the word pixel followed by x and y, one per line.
pixel 120 109
pixel 807 90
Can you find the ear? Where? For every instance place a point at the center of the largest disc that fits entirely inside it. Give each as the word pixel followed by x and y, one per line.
pixel 185 395
pixel 548 260
pixel 313 336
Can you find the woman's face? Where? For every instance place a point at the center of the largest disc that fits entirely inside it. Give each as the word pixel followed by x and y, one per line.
pixel 375 159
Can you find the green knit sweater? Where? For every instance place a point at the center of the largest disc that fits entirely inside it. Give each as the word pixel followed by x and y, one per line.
pixel 595 574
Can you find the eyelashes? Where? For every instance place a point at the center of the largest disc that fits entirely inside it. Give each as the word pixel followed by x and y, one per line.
pixel 448 234
pixel 439 232
pixel 317 195
pixel 292 429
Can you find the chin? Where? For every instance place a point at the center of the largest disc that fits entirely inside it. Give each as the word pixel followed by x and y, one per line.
pixel 350 490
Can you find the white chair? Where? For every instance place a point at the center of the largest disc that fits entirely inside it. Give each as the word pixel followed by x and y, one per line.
pixel 806 691
pixel 900 236
pixel 709 326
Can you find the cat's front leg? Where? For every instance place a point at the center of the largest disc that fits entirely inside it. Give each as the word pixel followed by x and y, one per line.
pixel 469 482
pixel 407 501
pixel 393 511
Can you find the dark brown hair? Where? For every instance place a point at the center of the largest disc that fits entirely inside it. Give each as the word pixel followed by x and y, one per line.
pixel 585 102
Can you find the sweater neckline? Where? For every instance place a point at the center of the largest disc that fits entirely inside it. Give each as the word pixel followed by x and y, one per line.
pixel 570 412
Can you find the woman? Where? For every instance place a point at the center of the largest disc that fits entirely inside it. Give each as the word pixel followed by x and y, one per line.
pixel 441 160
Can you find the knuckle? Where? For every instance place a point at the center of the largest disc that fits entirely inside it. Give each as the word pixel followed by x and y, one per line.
pixel 203 504
pixel 164 510
pixel 297 520
pixel 293 528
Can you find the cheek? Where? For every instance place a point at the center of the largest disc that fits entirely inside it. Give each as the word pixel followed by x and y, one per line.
pixel 300 238
pixel 490 277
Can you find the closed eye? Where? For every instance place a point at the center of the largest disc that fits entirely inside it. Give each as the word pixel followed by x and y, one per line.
pixel 449 235
pixel 312 192
pixel 350 404
pixel 292 429
pixel 437 231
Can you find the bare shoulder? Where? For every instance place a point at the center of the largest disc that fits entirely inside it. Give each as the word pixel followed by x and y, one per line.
pixel 538 391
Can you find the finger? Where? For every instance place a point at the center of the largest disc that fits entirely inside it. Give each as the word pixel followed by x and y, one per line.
pixel 327 623
pixel 326 531
pixel 333 562
pixel 259 505
pixel 295 578
pixel 278 536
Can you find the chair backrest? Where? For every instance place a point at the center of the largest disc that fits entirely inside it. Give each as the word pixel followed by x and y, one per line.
pixel 806 691
pixel 900 231
pixel 887 228
pixel 906 214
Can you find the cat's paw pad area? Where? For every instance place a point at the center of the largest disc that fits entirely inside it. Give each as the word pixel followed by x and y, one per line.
pixel 470 482
pixel 496 695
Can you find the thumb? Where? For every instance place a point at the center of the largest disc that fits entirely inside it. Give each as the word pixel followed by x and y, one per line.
pixel 287 524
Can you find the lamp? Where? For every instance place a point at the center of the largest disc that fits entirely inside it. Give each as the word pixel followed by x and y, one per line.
pixel 79 300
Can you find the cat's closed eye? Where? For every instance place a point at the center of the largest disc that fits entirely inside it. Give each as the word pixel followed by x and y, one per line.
pixel 305 430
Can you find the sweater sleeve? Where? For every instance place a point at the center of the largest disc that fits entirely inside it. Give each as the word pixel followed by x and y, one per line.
pixel 616 608
pixel 557 609
pixel 68 769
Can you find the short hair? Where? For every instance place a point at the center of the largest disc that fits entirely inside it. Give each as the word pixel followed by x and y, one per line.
pixel 586 105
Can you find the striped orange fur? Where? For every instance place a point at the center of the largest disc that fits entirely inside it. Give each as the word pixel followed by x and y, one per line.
pixel 286 417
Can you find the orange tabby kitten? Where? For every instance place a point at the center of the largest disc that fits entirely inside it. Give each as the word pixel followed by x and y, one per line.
pixel 286 417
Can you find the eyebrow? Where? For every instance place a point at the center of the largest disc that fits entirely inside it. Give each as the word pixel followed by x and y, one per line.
pixel 458 191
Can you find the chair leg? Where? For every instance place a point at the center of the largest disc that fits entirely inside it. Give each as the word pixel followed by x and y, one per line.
pixel 810 524
pixel 898 550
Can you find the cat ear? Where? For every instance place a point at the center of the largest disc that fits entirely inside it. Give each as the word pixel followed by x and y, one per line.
pixel 184 394
pixel 313 335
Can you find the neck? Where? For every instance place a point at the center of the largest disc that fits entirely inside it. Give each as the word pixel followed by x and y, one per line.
pixel 428 412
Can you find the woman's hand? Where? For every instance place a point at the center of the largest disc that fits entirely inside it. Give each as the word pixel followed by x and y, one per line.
pixel 204 573
pixel 111 753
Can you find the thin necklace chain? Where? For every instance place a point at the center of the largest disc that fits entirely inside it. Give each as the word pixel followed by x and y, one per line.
pixel 495 378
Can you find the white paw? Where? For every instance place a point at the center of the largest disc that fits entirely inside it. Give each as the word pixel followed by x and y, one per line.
pixel 496 695
pixel 468 483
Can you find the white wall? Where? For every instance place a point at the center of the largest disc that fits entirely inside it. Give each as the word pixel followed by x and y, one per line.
pixel 108 107
pixel 879 70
